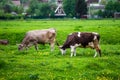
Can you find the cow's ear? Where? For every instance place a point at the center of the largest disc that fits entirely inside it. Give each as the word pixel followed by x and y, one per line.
pixel 22 45
pixel 60 47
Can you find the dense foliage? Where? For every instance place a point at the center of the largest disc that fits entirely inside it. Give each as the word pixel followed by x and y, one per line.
pixel 9 11
pixel 81 8
pixel 40 10
pixel 69 7
pixel 110 8
pixel 75 8
pixel 37 9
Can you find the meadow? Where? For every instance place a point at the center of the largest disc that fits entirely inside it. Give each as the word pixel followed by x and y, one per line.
pixel 46 65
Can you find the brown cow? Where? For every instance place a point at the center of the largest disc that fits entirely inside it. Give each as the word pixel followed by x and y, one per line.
pixel 81 39
pixel 35 37
pixel 4 42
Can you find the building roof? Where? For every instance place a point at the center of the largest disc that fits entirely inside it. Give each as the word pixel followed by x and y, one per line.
pixel 92 1
pixel 16 2
pixel 97 6
pixel 43 0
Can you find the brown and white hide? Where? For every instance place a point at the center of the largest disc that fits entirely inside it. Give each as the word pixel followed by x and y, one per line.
pixel 82 39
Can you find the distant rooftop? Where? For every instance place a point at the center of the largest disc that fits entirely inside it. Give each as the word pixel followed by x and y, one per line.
pixel 93 1
pixel 97 6
pixel 16 2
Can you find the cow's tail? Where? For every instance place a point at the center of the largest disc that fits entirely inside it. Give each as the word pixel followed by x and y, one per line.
pixel 59 46
pixel 98 37
pixel 57 43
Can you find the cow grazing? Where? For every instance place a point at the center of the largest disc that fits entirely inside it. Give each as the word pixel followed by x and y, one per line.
pixel 82 39
pixel 4 42
pixel 35 37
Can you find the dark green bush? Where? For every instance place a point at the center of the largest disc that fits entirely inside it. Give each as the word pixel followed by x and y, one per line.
pixel 9 16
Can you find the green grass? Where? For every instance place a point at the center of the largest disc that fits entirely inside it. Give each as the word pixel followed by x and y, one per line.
pixel 46 65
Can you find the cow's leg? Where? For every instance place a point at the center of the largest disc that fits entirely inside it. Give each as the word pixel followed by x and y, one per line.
pixel 95 54
pixel 75 52
pixel 72 50
pixel 35 44
pixel 36 47
pixel 98 51
pixel 97 48
pixel 52 46
pixel 26 45
pixel 63 51
pixel 26 48
pixel 52 43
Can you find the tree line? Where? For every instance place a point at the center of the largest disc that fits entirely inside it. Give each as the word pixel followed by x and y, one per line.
pixel 110 8
pixel 39 9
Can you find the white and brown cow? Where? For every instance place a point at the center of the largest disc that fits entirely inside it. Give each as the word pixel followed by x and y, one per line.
pixel 35 37
pixel 81 39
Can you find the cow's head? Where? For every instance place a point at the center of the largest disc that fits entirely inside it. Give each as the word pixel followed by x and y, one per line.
pixel 61 49
pixel 20 47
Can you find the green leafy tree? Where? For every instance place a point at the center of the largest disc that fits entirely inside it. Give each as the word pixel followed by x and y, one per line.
pixel 109 5
pixel 81 8
pixel 40 10
pixel 18 9
pixel 111 8
pixel 117 6
pixel 75 8
pixel 33 5
pixel 103 2
pixel 7 8
pixel 45 9
pixel 100 13
pixel 69 7
pixel 6 5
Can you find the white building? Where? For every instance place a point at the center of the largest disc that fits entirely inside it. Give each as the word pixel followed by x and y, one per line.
pixel 93 7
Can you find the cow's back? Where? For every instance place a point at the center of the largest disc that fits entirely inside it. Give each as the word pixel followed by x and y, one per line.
pixel 85 37
pixel 81 38
pixel 42 36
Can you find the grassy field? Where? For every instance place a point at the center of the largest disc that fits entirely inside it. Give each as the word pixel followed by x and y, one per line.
pixel 46 65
